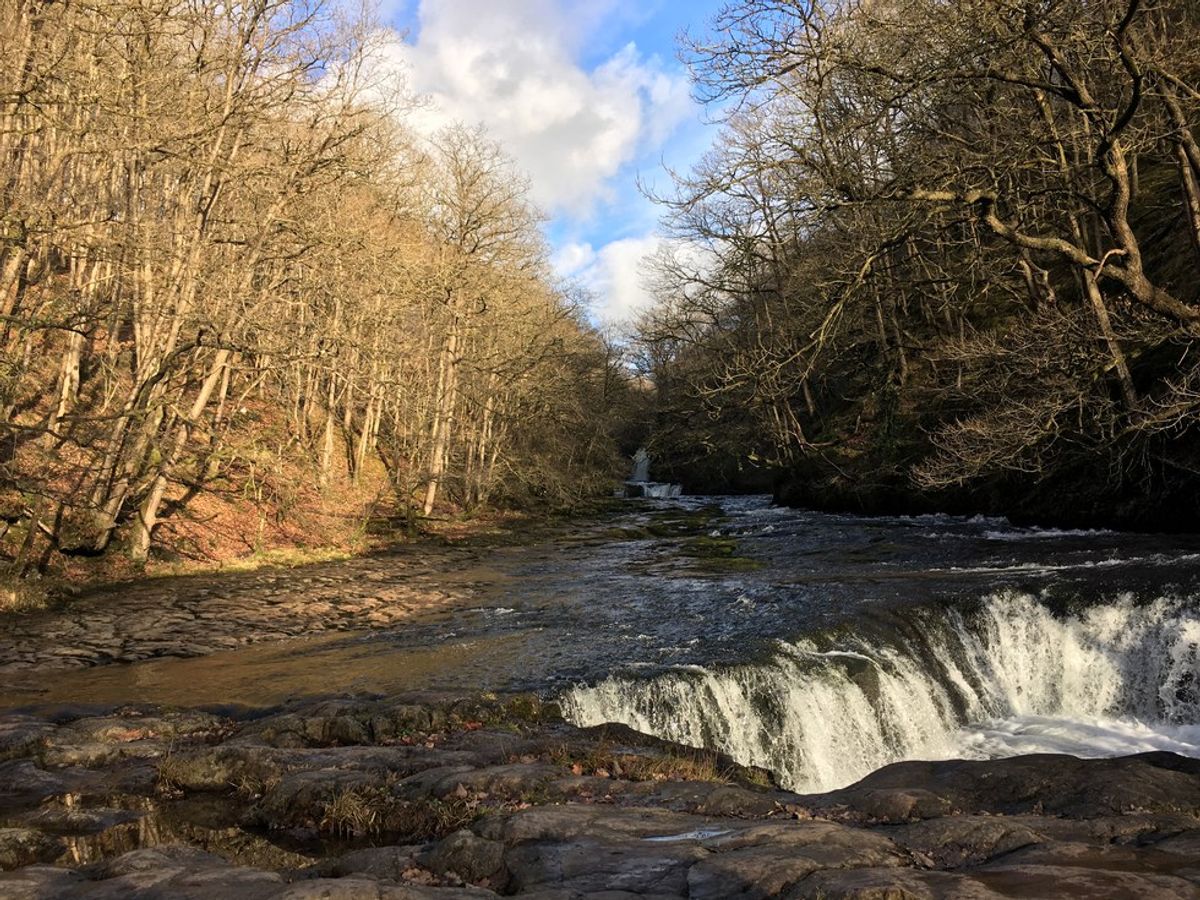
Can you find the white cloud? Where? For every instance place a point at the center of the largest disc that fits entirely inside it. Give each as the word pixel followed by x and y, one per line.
pixel 573 258
pixel 616 275
pixel 621 275
pixel 510 64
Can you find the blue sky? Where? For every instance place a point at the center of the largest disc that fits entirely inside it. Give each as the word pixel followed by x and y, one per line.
pixel 588 97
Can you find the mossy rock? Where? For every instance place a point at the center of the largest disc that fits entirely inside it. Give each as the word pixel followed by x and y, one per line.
pixel 730 564
pixel 710 548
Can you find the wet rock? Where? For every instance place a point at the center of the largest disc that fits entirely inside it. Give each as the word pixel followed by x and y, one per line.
pixel 958 841
pixel 304 798
pixel 366 889
pixel 134 726
pixel 100 741
pixel 509 780
pixel 720 799
pixel 896 884
pixel 22 736
pixel 238 763
pixel 539 809
pixel 177 872
pixel 24 784
pixel 24 847
pixel 1134 829
pixel 1186 843
pixel 335 723
pixel 747 873
pixel 1066 881
pixel 78 821
pixel 1040 783
pixel 426 783
pixel 156 858
pixel 38 883
pixel 220 768
pixel 589 865
pixel 766 860
pixel 473 859
pixel 206 884
pixel 565 823
pixel 97 755
pixel 1149 860
pixel 385 863
pixel 700 797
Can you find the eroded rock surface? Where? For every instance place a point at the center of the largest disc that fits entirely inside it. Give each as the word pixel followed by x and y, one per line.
pixel 441 798
pixel 198 615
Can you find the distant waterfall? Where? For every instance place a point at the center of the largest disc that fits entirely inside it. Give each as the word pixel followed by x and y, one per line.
pixel 641 466
pixel 640 485
pixel 823 712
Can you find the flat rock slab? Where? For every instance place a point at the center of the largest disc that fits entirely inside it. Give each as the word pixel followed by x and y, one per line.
pixel 1044 783
pixel 487 797
pixel 202 614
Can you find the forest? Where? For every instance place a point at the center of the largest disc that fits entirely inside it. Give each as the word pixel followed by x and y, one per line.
pixel 943 256
pixel 357 542
pixel 243 302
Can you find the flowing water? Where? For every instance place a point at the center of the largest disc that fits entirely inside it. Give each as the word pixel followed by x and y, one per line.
pixel 819 646
pixel 1008 676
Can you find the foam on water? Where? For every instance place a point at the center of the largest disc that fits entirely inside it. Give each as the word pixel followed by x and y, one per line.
pixel 1077 737
pixel 1008 677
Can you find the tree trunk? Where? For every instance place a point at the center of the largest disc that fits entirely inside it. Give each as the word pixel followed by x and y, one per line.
pixel 443 417
pixel 148 513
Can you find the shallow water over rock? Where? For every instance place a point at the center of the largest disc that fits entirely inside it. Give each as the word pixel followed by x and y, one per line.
pixel 677 593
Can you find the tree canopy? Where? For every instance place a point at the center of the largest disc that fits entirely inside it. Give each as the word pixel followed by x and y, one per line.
pixel 228 264
pixel 942 253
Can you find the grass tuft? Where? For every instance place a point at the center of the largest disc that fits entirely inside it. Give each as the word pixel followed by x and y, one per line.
pixel 369 811
pixel 19 597
pixel 680 765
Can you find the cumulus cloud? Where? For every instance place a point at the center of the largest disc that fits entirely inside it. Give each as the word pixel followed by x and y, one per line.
pixel 616 275
pixel 572 259
pixel 621 275
pixel 511 64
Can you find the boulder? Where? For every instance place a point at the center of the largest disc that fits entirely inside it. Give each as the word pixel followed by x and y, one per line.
pixel 25 847
pixel 1039 783
pixel 474 859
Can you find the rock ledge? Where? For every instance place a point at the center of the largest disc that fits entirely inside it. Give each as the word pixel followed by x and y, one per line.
pixel 487 796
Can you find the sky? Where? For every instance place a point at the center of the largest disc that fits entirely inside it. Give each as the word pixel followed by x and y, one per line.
pixel 587 96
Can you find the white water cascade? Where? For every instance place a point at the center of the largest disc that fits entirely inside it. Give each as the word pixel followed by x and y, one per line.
pixel 1008 677
pixel 640 485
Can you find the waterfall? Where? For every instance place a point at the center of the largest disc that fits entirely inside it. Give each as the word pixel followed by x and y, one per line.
pixel 640 485
pixel 641 466
pixel 824 711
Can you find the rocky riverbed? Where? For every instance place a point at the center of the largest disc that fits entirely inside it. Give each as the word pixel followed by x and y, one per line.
pixel 225 736
pixel 437 797
pixel 196 615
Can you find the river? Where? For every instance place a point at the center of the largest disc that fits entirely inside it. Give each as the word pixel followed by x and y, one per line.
pixel 819 646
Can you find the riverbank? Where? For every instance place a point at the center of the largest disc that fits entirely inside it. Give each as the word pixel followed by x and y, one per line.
pixel 466 569
pixel 480 796
pixel 79 577
pixel 874 484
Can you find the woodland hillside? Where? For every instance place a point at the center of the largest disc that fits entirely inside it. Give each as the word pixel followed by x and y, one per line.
pixel 944 255
pixel 240 296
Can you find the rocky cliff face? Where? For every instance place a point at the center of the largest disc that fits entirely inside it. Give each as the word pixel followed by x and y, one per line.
pixel 474 798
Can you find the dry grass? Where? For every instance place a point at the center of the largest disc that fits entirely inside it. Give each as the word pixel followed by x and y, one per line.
pixel 285 557
pixel 20 597
pixel 362 812
pixel 698 765
pixel 352 813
